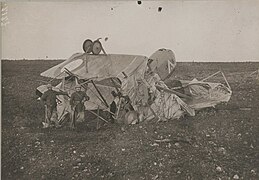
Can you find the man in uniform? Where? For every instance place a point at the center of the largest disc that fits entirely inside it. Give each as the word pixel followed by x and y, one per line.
pixel 49 100
pixel 77 104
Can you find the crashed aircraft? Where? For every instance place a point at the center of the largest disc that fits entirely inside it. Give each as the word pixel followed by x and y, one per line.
pixel 147 82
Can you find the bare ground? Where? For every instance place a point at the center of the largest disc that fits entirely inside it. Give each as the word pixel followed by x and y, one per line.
pixel 219 143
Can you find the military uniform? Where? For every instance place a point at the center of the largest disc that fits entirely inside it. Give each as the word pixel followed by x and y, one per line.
pixel 77 105
pixel 49 99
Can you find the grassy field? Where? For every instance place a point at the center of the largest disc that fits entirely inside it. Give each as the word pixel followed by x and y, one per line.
pixel 219 143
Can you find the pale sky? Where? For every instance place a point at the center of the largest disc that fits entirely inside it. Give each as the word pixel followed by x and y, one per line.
pixel 194 30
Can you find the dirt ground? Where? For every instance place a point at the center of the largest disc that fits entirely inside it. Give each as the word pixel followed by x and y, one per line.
pixel 219 143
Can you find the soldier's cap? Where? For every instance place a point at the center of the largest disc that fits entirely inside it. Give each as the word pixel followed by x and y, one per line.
pixel 49 86
pixel 77 86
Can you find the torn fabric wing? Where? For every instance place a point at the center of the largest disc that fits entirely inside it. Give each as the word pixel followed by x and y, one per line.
pixel 206 94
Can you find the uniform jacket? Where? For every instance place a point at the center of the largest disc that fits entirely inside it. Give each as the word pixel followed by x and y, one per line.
pixel 49 97
pixel 78 97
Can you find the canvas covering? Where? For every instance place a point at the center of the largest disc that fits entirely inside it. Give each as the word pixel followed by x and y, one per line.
pixel 132 76
pixel 134 83
pixel 207 94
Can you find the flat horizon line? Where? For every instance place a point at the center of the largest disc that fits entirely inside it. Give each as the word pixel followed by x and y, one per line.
pixel 180 61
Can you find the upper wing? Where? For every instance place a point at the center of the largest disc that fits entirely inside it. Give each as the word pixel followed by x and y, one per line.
pixel 87 66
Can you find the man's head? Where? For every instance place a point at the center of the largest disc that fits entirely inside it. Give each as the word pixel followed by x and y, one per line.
pixel 49 86
pixel 114 94
pixel 78 87
pixel 127 99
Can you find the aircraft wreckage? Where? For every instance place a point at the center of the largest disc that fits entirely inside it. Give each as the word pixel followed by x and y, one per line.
pixel 147 84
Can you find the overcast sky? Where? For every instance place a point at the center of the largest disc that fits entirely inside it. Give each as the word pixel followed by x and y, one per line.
pixel 194 30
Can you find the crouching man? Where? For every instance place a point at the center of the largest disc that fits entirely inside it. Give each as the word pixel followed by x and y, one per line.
pixel 77 104
pixel 49 100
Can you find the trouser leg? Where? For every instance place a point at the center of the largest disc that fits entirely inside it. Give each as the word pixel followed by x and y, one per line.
pixel 75 113
pixel 73 119
pixel 55 117
pixel 47 114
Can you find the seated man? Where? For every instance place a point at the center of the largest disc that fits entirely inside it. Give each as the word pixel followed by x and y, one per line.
pixel 127 104
pixel 77 104
pixel 113 105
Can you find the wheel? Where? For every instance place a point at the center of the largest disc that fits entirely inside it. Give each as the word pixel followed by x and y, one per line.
pixel 87 46
pixel 97 47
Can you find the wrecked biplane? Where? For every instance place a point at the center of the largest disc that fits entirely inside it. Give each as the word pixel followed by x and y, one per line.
pixel 140 79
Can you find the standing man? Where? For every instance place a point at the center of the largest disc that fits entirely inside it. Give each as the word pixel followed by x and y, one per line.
pixel 77 104
pixel 49 100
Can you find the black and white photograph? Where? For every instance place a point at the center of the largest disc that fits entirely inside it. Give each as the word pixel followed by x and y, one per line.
pixel 130 90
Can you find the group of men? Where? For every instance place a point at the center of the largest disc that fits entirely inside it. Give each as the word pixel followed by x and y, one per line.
pixel 77 99
pixel 49 98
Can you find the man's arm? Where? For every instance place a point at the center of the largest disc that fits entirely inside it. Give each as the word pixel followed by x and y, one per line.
pixel 43 98
pixel 61 93
pixel 86 98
